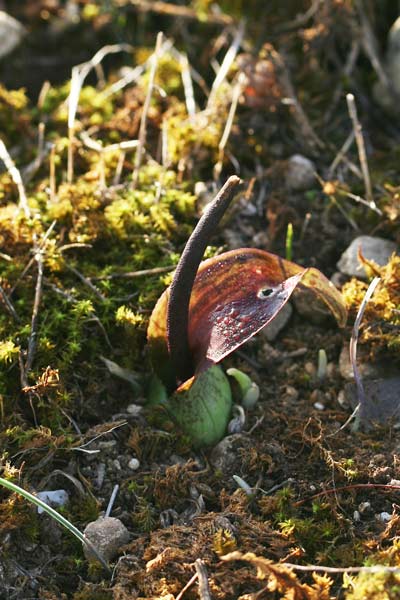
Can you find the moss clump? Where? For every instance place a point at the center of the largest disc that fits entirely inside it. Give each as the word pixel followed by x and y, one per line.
pixel 373 586
pixel 381 322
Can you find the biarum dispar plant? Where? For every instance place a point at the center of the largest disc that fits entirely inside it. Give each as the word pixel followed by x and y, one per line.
pixel 210 310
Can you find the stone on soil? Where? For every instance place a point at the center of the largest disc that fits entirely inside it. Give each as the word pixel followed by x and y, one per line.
pixel 373 248
pixel 300 174
pixel 271 331
pixel 107 534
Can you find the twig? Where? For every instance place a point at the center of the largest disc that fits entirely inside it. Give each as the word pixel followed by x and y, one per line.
pixel 228 126
pixel 78 76
pixel 370 46
pixel 112 500
pixel 8 304
pixel 226 64
pixel 35 312
pixel 341 154
pixel 204 587
pixel 134 274
pixel 353 347
pixel 86 281
pixel 323 569
pixel 347 71
pixel 42 151
pixel 173 10
pixel 32 260
pixel 17 179
pixel 346 488
pixel 187 85
pixel 301 19
pixel 187 586
pixel 52 175
pixel 291 99
pixel 362 155
pixel 145 109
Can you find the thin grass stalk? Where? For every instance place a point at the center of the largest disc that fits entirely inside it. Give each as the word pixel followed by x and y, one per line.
pixel 145 110
pixel 13 487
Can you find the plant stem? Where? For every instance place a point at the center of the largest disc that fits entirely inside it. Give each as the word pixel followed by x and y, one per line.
pixel 185 274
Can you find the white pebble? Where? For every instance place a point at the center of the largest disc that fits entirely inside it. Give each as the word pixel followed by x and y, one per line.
pixel 134 409
pixel 134 464
pixel 364 506
pixel 384 517
pixel 319 406
pixel 52 498
pixel 356 516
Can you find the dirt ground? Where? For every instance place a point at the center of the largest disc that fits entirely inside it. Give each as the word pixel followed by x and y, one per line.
pixel 299 502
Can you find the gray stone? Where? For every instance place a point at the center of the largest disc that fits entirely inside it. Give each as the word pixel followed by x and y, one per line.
pixel 271 331
pixel 53 498
pixel 373 248
pixel 388 98
pixel 11 33
pixel 107 535
pixel 367 370
pixel 382 400
pixel 300 174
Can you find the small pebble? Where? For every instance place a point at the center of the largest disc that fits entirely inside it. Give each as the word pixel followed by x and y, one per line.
pixel 384 517
pixel 342 399
pixel 134 464
pixel 291 392
pixel 11 33
pixel 107 444
pixel 319 406
pixel 300 174
pixel 272 329
pixel 107 534
pixel 52 498
pixel 364 507
pixel 134 409
pixel 116 464
pixel 356 516
pixel 101 472
pixel 310 369
pixel 373 248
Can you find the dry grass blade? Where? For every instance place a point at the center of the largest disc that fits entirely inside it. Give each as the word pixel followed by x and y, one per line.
pixel 17 179
pixel 226 64
pixel 145 109
pixel 78 76
pixel 351 104
pixel 353 346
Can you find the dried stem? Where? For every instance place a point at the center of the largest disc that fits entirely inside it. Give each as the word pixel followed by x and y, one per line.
pixel 86 281
pixel 17 179
pixel 228 126
pixel 182 284
pixel 145 110
pixel 173 10
pixel 8 304
pixel 35 312
pixel 78 76
pixel 353 346
pixel 226 64
pixel 304 125
pixel 134 274
pixel 186 587
pixel 204 587
pixel 362 155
